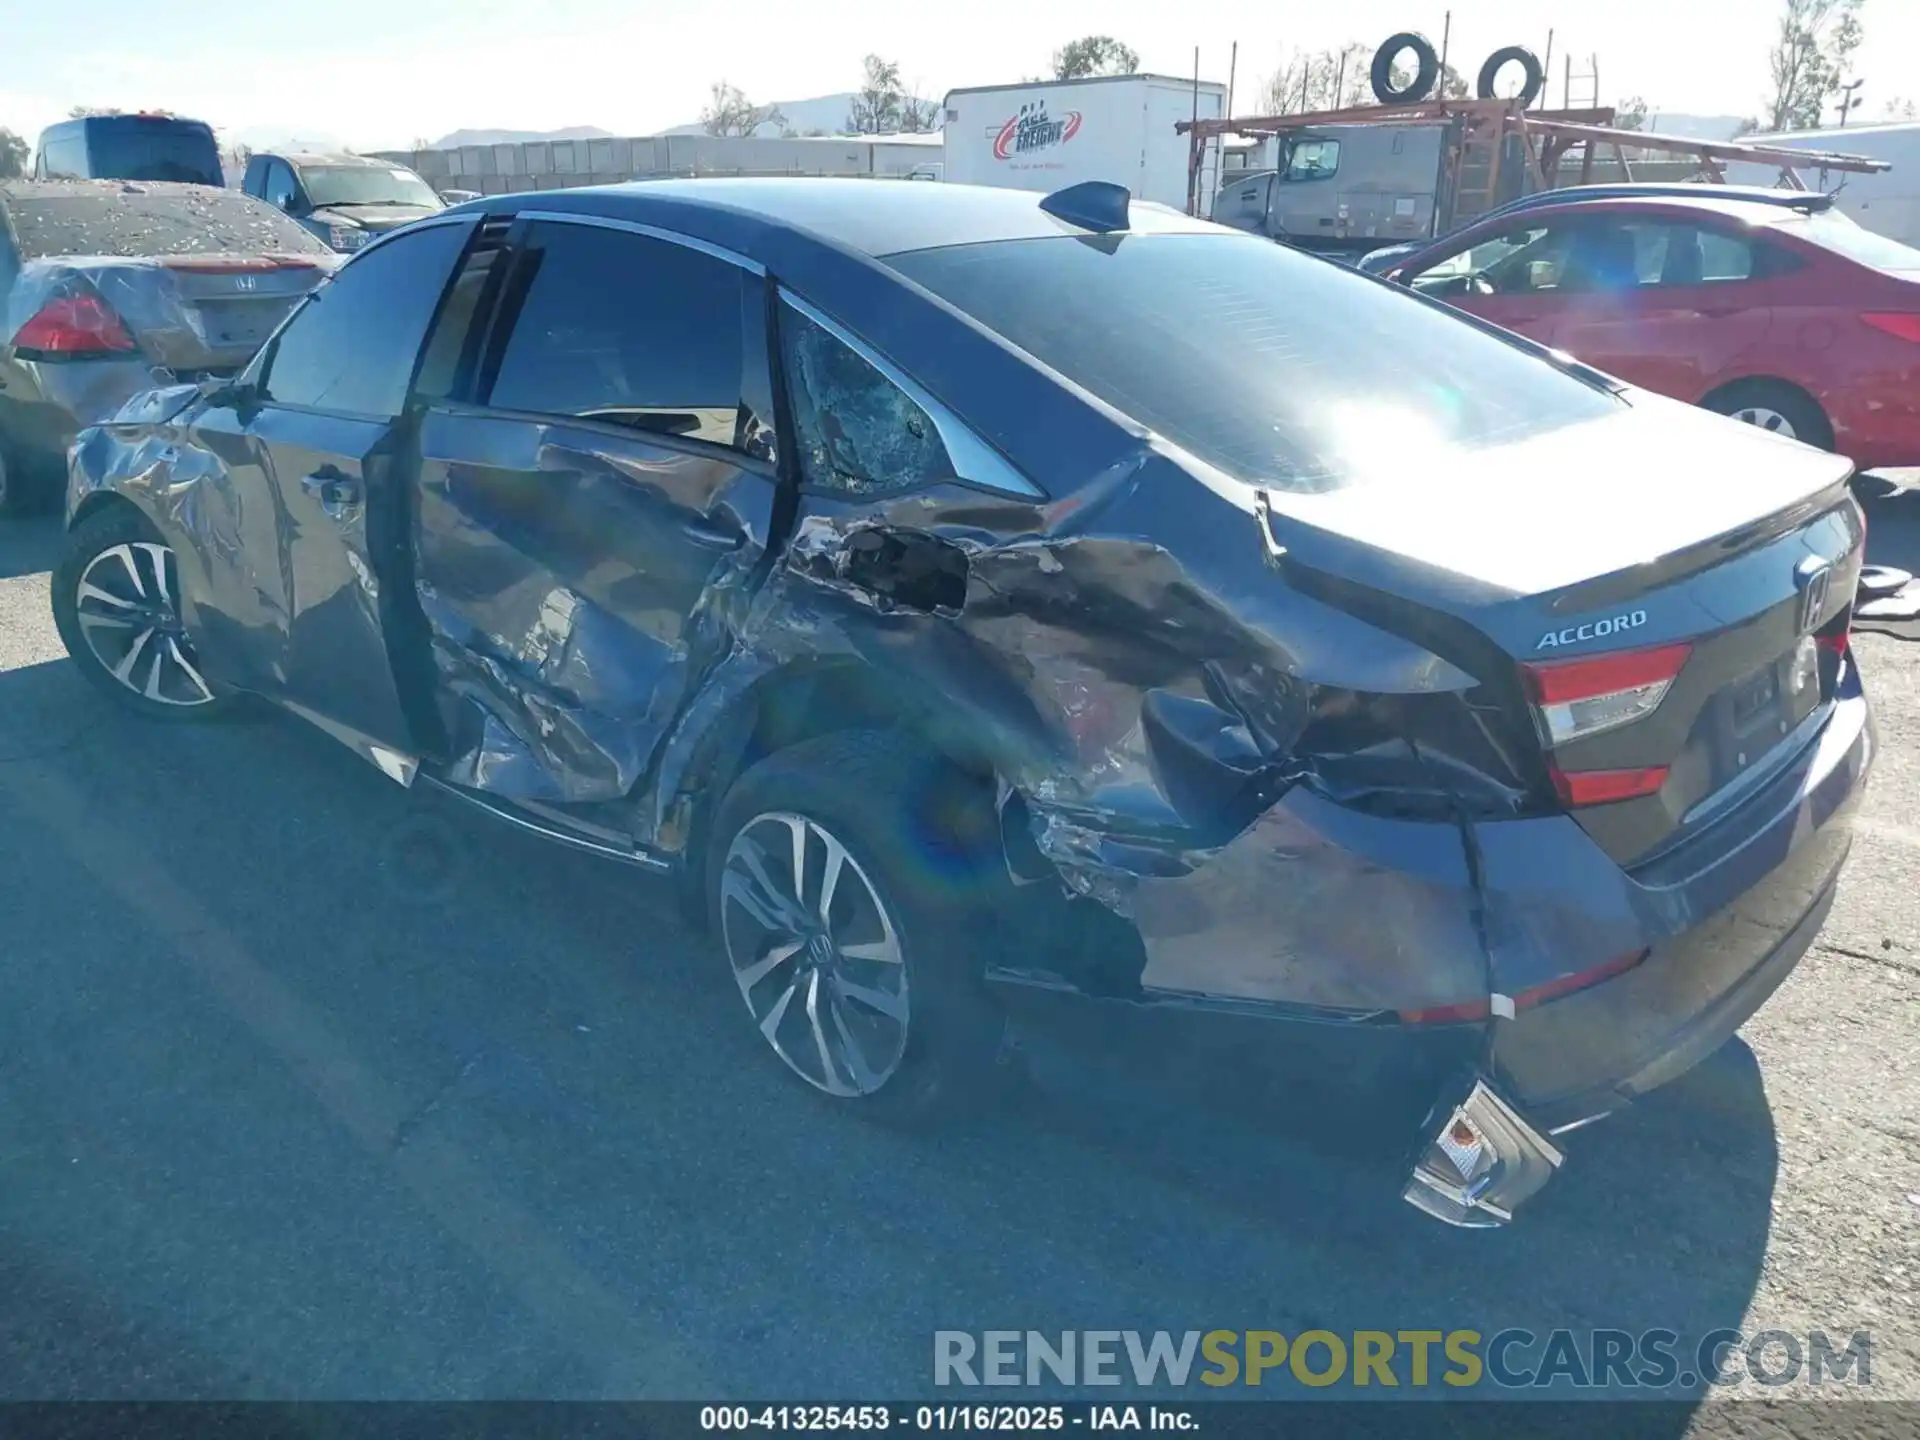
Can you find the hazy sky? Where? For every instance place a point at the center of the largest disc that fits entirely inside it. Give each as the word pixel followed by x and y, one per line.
pixel 377 73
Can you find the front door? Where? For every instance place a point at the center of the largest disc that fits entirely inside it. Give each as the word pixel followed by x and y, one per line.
pixel 592 509
pixel 324 452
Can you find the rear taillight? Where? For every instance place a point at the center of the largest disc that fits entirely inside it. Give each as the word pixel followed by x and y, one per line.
pixel 1901 326
pixel 1604 787
pixel 70 327
pixel 1474 1010
pixel 1577 699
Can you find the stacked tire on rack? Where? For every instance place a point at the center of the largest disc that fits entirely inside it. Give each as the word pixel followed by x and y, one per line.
pixel 1427 71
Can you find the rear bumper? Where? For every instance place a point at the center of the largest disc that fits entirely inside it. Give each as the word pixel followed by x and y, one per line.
pixel 1285 960
pixel 1877 426
pixel 1721 934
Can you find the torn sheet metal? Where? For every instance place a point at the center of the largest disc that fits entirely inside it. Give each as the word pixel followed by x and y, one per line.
pixel 225 537
pixel 1098 673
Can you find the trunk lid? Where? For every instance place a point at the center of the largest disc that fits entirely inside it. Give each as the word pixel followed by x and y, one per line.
pixel 1661 527
pixel 203 313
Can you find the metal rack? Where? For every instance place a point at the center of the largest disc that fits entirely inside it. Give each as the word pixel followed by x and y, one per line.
pixel 1488 137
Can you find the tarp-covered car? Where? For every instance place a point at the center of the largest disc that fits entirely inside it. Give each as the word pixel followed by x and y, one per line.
pixel 105 282
pixel 996 606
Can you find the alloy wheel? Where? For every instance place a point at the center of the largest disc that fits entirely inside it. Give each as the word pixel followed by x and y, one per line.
pixel 1770 420
pixel 815 953
pixel 129 615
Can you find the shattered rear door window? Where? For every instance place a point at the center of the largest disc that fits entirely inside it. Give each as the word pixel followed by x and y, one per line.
pixel 55 219
pixel 859 433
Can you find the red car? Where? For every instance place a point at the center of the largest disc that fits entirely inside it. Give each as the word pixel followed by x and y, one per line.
pixel 1797 320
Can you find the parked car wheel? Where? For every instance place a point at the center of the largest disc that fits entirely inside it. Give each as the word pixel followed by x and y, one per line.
pixel 116 596
pixel 1778 407
pixel 846 884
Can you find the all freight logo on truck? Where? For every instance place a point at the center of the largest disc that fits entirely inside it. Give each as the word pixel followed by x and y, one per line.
pixel 1033 129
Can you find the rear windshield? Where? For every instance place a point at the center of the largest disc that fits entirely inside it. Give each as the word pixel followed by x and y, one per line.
pixel 1835 232
pixel 365 185
pixel 132 148
pixel 122 222
pixel 1275 367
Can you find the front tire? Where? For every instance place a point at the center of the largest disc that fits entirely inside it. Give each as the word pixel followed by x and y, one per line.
pixel 848 887
pixel 116 602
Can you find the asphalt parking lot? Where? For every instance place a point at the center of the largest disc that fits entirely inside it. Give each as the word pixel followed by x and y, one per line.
pixel 312 1088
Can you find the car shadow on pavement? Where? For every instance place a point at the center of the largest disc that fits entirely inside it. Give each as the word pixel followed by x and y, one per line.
pixel 28 545
pixel 376 1098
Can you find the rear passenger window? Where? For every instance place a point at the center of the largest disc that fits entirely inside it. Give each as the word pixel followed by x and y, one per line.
pixel 859 433
pixel 1724 257
pixel 627 330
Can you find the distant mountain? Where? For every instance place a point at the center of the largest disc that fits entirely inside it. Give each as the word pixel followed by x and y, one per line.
pixel 517 137
pixel 270 141
pixel 826 113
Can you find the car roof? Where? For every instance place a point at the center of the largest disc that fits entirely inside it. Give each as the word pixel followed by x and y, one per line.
pixel 1677 190
pixel 874 217
pixel 1734 207
pixel 324 157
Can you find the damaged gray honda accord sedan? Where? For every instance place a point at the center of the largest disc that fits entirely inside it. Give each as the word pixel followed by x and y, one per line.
pixel 1001 611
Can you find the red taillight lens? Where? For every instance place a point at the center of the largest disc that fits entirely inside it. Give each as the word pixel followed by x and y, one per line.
pixel 1579 698
pixel 1903 327
pixel 1604 787
pixel 1561 681
pixel 1528 999
pixel 71 326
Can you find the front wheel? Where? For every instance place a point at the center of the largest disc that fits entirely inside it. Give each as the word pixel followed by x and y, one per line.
pixel 847 888
pixel 116 602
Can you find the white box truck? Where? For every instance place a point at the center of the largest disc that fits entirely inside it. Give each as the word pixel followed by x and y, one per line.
pixel 1051 134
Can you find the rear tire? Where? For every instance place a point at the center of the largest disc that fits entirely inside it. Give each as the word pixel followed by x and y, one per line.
pixel 875 999
pixel 116 605
pixel 1777 407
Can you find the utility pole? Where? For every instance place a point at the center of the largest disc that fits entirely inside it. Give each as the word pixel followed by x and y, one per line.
pixel 1851 100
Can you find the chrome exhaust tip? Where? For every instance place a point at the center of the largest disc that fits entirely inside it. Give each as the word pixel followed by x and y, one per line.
pixel 1481 1164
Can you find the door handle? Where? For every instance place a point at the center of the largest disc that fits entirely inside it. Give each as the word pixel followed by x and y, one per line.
pixel 336 492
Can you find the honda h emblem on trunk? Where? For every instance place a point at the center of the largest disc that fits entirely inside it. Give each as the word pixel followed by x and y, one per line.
pixel 1812 576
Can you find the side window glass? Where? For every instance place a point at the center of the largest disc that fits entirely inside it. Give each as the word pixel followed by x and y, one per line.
pixel 1517 262
pixel 1725 257
pixel 626 330
pixel 859 433
pixel 350 348
pixel 1653 246
pixel 1314 160
pixel 279 184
